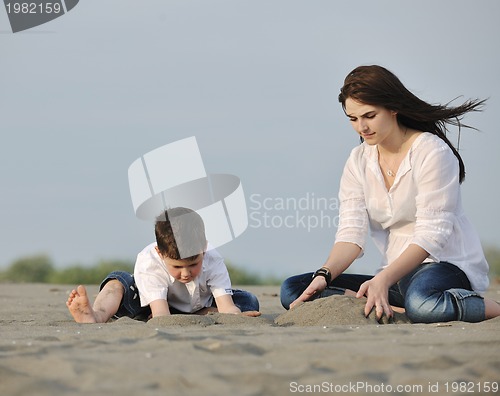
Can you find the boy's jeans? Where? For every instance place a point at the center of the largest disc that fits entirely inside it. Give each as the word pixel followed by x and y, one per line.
pixel 131 306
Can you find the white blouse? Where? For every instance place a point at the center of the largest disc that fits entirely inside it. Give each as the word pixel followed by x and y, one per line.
pixel 155 283
pixel 423 207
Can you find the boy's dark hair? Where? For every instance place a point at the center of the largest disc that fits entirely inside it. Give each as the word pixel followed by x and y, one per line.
pixel 180 234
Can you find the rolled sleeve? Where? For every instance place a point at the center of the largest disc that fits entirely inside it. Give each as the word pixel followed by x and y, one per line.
pixel 353 215
pixel 150 277
pixel 217 276
pixel 437 200
pixel 150 288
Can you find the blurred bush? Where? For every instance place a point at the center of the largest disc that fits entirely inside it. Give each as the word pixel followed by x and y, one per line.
pixel 40 269
pixel 242 277
pixel 79 274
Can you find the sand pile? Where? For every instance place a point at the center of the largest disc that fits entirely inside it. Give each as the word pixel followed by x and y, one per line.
pixel 43 352
pixel 334 310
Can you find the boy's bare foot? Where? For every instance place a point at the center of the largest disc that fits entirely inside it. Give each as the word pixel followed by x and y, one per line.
pixel 491 308
pixel 79 306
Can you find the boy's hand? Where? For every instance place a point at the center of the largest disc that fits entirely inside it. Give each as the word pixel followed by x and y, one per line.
pixel 236 311
pixel 225 304
pixel 252 314
pixel 205 311
pixel 229 310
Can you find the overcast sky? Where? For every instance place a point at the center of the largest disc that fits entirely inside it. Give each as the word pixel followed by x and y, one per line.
pixel 256 82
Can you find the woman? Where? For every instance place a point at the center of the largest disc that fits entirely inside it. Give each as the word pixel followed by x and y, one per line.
pixel 402 182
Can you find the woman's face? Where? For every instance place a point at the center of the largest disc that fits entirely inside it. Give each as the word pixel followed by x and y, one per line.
pixel 373 123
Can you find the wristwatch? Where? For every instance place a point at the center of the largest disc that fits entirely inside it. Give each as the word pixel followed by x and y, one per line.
pixel 325 273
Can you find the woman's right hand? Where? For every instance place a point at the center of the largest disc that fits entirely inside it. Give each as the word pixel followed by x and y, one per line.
pixel 317 285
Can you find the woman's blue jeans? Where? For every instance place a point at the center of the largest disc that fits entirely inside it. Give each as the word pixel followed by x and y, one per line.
pixel 433 292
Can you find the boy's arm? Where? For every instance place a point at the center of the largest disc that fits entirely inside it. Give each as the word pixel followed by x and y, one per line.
pixel 159 308
pixel 225 304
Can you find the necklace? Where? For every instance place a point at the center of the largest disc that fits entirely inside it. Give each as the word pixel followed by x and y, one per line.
pixel 397 157
pixel 389 172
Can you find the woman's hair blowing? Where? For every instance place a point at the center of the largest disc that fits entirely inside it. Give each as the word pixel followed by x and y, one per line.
pixel 377 86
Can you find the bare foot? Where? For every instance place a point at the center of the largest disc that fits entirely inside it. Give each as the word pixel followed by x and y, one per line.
pixel 79 306
pixel 491 308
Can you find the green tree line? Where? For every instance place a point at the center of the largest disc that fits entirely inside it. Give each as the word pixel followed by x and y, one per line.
pixel 40 269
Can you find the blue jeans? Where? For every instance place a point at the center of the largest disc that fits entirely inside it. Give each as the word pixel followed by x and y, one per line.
pixel 131 304
pixel 433 292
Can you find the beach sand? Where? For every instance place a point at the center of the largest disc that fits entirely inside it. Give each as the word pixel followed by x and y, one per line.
pixel 325 346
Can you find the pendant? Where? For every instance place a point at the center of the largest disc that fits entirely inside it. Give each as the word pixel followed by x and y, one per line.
pixel 390 173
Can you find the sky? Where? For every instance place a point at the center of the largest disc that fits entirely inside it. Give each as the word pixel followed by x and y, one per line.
pixel 256 82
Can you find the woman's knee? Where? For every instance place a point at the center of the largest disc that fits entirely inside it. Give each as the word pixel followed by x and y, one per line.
pixel 420 311
pixel 444 306
pixel 433 307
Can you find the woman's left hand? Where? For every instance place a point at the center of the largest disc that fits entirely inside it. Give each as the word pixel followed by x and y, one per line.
pixel 377 293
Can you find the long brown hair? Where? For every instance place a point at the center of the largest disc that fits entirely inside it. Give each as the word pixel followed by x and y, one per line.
pixel 377 86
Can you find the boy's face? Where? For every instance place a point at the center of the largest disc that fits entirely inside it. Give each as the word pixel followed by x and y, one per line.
pixel 184 270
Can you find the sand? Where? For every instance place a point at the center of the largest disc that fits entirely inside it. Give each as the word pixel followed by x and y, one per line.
pixel 325 346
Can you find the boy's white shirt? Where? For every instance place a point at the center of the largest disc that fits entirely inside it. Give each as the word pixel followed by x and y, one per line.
pixel 155 283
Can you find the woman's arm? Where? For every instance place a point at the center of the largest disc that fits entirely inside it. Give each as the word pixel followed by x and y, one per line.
pixel 341 257
pixel 352 228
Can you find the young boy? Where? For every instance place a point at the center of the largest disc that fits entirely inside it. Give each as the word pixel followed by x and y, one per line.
pixel 174 275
